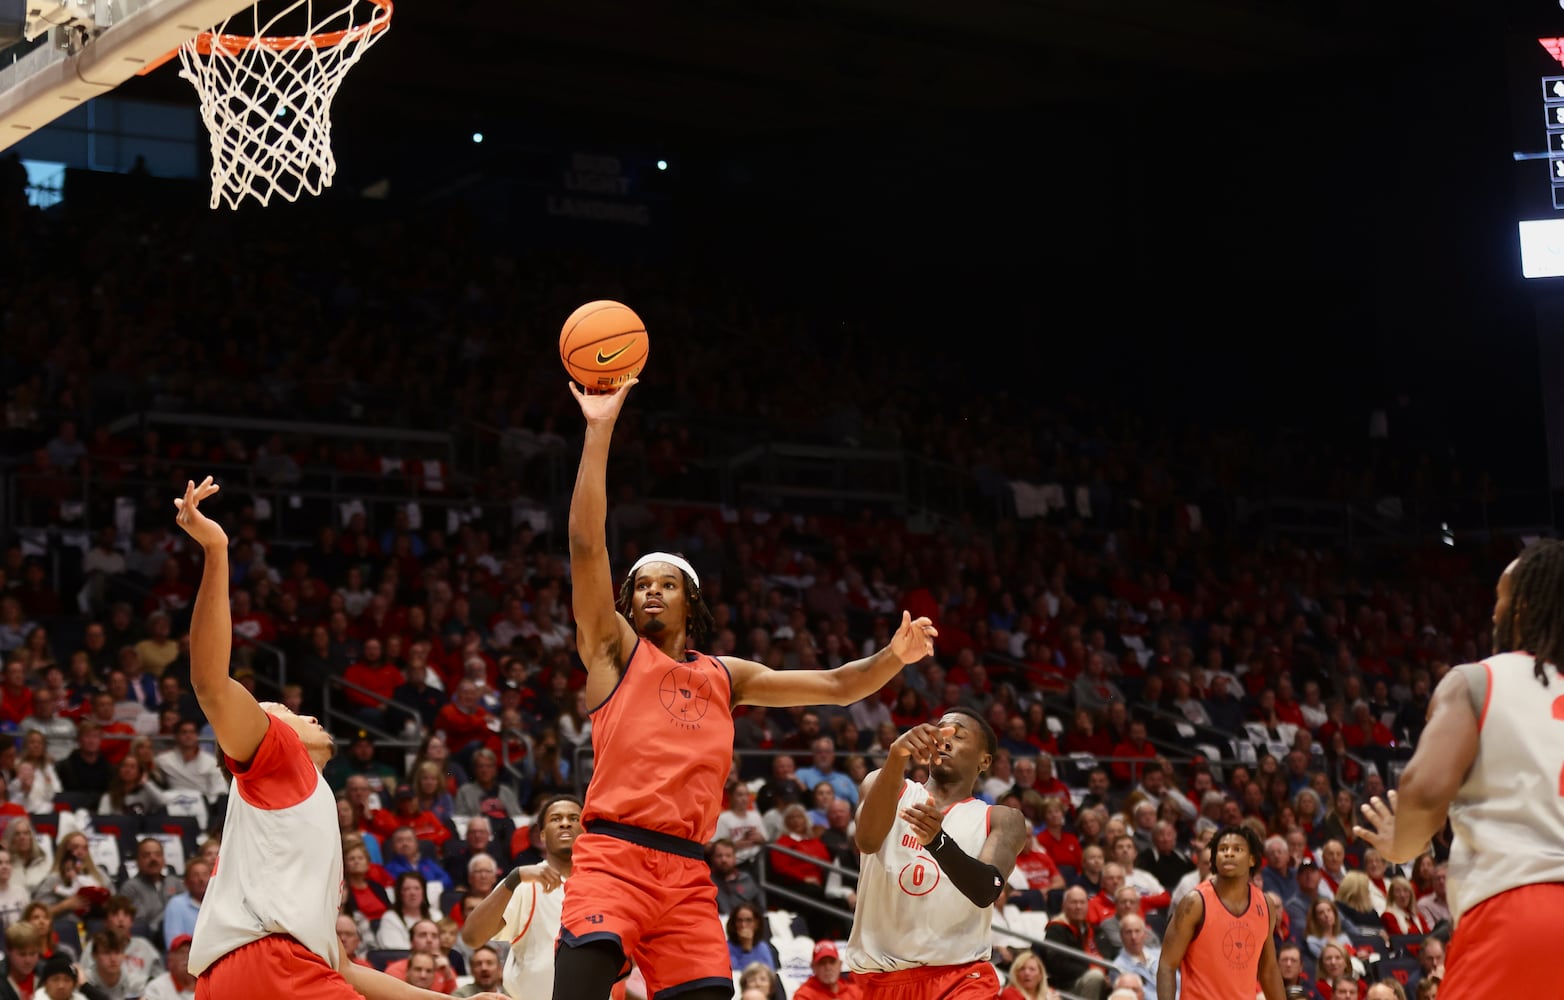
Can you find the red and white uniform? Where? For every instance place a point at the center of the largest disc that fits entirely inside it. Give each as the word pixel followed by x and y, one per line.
pixel 280 869
pixel 909 912
pixel 1508 815
pixel 1507 862
pixel 531 925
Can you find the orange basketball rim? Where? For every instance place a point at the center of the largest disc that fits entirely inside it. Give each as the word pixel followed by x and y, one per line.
pixel 209 43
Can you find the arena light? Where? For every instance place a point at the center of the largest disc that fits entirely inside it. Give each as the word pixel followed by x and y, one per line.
pixel 477 138
pixel 662 164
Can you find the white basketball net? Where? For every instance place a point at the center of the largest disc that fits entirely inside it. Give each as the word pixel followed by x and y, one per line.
pixel 266 97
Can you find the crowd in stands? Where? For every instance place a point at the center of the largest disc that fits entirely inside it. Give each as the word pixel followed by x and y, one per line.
pixel 1150 674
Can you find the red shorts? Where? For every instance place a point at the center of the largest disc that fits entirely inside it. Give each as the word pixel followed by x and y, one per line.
pixel 977 981
pixel 1494 950
pixel 273 966
pixel 660 908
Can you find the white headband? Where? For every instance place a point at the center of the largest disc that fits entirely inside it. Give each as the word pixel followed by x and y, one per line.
pixel 670 559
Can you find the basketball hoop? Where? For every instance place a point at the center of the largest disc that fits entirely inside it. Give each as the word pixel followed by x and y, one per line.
pixel 266 96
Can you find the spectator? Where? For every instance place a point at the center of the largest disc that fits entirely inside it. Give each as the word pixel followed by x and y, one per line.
pixel 158 649
pixel 117 735
pixel 29 862
pixel 1136 747
pixel 149 889
pixel 1028 979
pixel 1137 956
pixel 748 939
pixel 177 983
pixel 429 785
pixel 734 885
pixel 824 769
pixel 1324 928
pixel 479 840
pixel 351 941
pixel 23 948
pixel 179 916
pixel 1072 930
pixel 425 825
pixel 59 733
pixel 107 970
pixel 1434 908
pixel 360 760
pixel 1295 983
pixel 130 792
pixel 73 871
pixel 16 698
pixel 14 897
pixel 410 904
pixel 1401 914
pixel 827 981
pixel 406 857
pixel 421 700
pixel 362 896
pixel 485 973
pixel 742 824
pixel 482 875
pixel 189 768
pixel 486 794
pixel 464 722
pixel 426 941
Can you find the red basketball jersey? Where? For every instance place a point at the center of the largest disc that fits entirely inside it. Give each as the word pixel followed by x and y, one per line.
pixel 1223 961
pixel 663 743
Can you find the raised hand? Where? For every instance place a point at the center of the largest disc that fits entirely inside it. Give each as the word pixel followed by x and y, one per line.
pixel 914 640
pixel 922 742
pixel 1383 817
pixel 602 407
pixel 206 532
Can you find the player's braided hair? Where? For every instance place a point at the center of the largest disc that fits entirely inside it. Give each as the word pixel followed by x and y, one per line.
pixel 1536 619
pixel 699 626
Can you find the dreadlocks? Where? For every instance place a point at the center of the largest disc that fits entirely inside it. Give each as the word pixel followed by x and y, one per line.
pixel 700 624
pixel 1536 619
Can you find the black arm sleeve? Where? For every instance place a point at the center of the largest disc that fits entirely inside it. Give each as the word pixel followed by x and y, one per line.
pixel 978 882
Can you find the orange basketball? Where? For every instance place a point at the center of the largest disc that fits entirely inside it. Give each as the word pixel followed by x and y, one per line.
pixel 603 345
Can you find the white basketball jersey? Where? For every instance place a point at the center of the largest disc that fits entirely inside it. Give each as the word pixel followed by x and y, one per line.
pixel 280 867
pixel 531 924
pixel 909 913
pixel 1508 815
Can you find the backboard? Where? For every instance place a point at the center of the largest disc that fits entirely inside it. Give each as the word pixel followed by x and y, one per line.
pixel 95 46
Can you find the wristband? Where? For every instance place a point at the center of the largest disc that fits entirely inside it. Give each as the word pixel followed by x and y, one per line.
pixel 513 879
pixel 977 881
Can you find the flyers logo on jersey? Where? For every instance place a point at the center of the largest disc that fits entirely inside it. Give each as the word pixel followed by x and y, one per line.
pixel 685 692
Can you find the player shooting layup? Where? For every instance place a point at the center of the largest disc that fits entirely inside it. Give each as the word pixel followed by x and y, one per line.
pixel 662 732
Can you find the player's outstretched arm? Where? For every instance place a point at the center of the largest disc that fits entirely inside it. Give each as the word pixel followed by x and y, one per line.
pixel 603 638
pixel 1421 802
pixel 757 684
pixel 236 717
pixel 881 790
pixel 1181 930
pixel 373 984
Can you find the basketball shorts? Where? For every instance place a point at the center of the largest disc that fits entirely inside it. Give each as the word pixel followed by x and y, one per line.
pixel 275 966
pixel 977 981
pixel 660 907
pixel 1493 955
